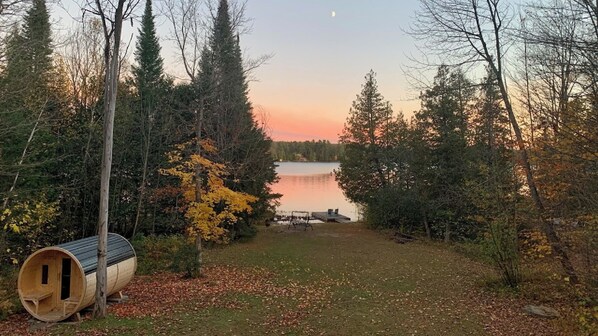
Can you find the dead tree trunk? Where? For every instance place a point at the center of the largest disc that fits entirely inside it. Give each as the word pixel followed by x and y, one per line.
pixel 22 159
pixel 111 56
pixel 143 177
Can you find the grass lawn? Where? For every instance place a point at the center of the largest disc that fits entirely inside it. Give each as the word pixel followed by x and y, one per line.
pixel 339 279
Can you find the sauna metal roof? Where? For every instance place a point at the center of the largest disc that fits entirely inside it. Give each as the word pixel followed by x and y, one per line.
pixel 86 251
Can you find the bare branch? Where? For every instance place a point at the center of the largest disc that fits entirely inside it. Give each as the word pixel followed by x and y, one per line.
pixel 188 30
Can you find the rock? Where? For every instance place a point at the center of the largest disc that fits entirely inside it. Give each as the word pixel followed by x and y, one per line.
pixel 542 311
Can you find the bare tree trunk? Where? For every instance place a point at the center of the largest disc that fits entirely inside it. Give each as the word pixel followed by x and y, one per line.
pixel 198 182
pixel 143 178
pixel 199 249
pixel 31 134
pixel 547 225
pixel 528 94
pixel 110 91
pixel 427 225
pixel 447 232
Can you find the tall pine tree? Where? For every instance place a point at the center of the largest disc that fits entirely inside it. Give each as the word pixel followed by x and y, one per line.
pixel 366 136
pixel 149 80
pixel 443 122
pixel 229 121
pixel 27 103
pixel 38 43
pixel 149 71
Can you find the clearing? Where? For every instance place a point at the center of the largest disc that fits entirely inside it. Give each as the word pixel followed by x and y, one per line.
pixel 339 279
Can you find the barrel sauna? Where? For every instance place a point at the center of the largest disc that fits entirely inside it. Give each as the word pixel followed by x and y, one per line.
pixel 58 281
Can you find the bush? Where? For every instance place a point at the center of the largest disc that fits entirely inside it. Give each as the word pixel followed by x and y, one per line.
pixel 166 253
pixel 245 232
pixel 185 260
pixel 384 209
pixel 9 299
pixel 501 245
pixel 155 253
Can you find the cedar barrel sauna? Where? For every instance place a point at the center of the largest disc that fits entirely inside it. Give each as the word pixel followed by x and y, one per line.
pixel 58 281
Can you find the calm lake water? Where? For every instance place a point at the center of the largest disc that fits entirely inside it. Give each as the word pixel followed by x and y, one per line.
pixel 310 186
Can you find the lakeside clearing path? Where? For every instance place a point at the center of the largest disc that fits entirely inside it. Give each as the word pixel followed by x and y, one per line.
pixel 339 279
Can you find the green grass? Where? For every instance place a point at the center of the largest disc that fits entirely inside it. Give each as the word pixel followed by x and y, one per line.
pixel 362 284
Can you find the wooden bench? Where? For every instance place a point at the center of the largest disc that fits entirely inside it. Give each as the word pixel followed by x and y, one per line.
pixel 71 301
pixel 36 296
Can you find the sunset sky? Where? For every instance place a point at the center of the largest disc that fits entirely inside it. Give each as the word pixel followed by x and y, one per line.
pixel 320 61
pixel 319 58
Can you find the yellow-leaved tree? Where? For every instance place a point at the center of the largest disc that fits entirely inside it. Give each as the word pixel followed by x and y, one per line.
pixel 210 206
pixel 29 222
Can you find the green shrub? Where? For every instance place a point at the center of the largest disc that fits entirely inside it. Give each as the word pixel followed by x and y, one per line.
pixel 166 253
pixel 245 232
pixel 501 245
pixel 384 210
pixel 9 298
pixel 156 253
pixel 185 260
pixel 473 250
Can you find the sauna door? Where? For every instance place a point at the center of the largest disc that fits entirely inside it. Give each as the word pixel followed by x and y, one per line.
pixel 65 279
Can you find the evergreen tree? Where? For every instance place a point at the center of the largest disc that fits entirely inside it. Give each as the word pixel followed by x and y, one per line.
pixel 443 122
pixel 12 90
pixel 150 83
pixel 367 137
pixel 492 134
pixel 27 102
pixel 37 43
pixel 149 71
pixel 14 64
pixel 228 117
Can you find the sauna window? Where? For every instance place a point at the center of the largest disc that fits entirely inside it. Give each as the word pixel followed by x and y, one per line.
pixel 44 274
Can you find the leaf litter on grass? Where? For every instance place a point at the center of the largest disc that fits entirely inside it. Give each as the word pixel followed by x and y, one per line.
pixel 363 283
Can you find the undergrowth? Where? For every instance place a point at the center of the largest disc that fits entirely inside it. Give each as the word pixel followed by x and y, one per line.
pixel 9 298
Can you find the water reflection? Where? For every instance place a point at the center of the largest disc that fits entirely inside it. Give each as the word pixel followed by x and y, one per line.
pixel 311 187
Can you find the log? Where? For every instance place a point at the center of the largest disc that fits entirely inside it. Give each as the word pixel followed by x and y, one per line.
pixel 404 236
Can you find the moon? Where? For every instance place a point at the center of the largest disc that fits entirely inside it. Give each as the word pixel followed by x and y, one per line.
pixel 332 14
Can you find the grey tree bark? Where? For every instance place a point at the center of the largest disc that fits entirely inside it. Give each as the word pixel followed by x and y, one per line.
pixel 111 16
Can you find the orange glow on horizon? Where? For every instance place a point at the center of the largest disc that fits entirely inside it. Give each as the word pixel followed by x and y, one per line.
pixel 284 125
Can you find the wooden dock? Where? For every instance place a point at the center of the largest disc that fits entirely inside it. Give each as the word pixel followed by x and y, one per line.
pixel 330 216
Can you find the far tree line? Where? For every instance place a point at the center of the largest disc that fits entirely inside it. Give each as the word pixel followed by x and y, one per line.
pixel 307 151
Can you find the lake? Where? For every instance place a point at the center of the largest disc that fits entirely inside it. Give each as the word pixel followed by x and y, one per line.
pixel 310 186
